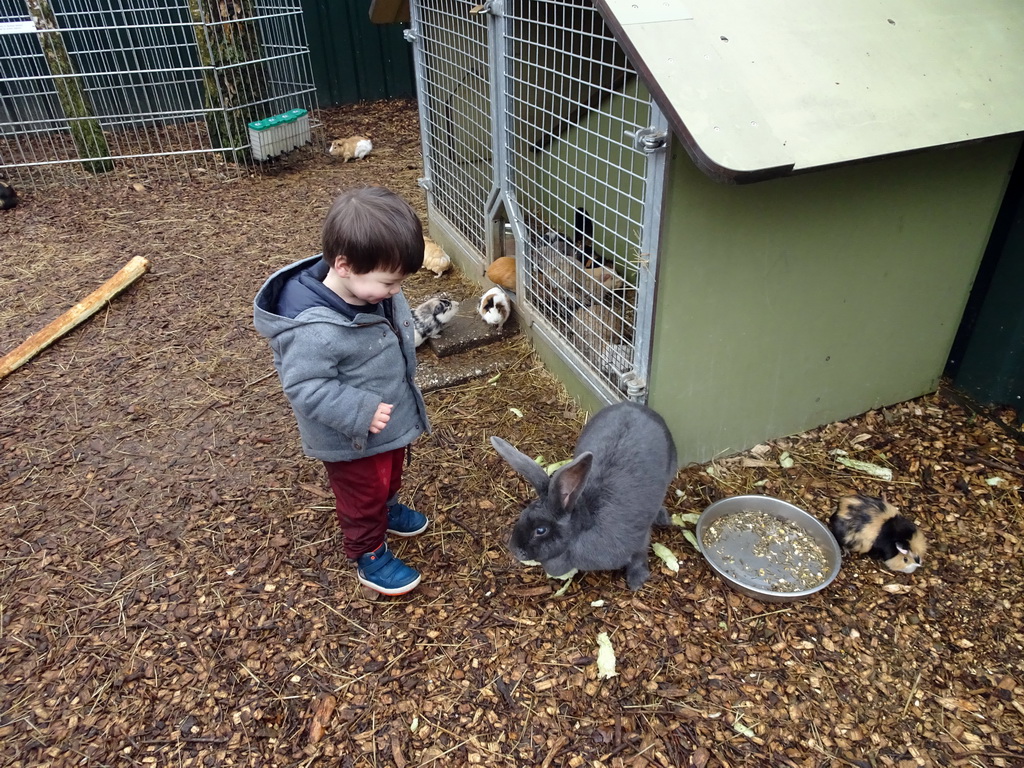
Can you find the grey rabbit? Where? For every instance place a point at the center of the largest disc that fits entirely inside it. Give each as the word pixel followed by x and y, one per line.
pixel 596 512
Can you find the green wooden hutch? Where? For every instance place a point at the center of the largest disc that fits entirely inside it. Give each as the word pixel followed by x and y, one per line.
pixel 794 196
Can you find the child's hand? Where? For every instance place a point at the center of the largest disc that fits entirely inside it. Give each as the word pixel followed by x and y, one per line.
pixel 380 418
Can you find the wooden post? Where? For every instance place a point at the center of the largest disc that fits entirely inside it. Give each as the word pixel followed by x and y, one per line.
pixel 83 310
pixel 85 128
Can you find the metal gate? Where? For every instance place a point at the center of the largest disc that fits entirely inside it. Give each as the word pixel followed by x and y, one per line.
pixel 536 124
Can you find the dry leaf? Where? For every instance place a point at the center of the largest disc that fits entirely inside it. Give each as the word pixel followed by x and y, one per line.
pixel 682 520
pixel 605 657
pixel 882 473
pixel 896 589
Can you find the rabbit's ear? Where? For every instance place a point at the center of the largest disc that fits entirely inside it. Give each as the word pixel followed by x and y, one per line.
pixel 569 481
pixel 524 465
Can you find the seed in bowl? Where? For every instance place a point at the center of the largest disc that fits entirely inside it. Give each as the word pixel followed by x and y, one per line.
pixel 767 552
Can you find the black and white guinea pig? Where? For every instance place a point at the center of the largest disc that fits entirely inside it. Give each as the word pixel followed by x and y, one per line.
pixel 8 196
pixel 872 526
pixel 429 317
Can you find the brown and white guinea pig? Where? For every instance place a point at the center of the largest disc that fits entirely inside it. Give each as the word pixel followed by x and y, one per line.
pixel 872 526
pixel 433 314
pixel 352 148
pixel 495 307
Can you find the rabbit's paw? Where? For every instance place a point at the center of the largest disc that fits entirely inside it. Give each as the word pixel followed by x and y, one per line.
pixel 637 572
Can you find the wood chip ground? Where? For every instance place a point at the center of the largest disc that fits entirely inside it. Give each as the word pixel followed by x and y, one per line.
pixel 173 590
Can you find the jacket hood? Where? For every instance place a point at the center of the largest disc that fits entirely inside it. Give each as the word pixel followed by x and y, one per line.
pixel 266 313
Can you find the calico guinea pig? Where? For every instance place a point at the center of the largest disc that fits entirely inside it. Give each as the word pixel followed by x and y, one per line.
pixel 429 317
pixel 872 526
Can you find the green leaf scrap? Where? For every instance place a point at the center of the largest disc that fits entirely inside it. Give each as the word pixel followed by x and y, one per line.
pixel 550 468
pixel 667 556
pixel 882 473
pixel 688 535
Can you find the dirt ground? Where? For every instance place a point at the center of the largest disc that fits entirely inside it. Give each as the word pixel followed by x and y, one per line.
pixel 173 590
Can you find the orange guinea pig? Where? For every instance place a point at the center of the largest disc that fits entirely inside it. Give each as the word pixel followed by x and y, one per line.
pixel 502 271
pixel 434 257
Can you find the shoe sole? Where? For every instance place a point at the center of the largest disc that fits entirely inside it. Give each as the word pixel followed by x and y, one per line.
pixel 405 534
pixel 390 592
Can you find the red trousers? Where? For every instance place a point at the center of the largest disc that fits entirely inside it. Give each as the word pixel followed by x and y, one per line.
pixel 362 490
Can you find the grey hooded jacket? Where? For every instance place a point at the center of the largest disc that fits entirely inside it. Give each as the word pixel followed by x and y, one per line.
pixel 336 371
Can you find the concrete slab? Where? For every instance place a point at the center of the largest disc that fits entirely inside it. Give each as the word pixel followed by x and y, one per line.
pixel 467 349
pixel 432 377
pixel 434 372
pixel 468 331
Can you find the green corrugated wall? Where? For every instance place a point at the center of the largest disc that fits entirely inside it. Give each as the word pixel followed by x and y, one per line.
pixel 354 59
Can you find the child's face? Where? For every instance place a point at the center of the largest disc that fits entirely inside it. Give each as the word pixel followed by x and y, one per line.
pixel 367 288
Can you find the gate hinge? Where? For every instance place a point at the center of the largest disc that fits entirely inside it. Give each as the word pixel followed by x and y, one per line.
pixel 636 387
pixel 648 139
pixel 617 362
pixel 409 35
pixel 425 184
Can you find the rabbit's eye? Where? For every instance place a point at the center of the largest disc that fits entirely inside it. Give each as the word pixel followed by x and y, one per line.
pixel 540 530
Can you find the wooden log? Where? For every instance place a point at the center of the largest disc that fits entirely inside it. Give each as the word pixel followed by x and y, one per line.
pixel 82 311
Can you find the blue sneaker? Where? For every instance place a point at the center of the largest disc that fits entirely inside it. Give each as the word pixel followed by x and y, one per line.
pixel 380 570
pixel 405 521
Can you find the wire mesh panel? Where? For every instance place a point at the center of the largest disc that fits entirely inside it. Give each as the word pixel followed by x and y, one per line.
pixel 87 86
pixel 452 57
pixel 583 182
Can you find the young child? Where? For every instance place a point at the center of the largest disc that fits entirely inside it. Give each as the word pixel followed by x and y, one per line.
pixel 342 336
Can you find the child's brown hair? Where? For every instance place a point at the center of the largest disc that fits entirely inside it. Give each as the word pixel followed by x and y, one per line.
pixel 374 229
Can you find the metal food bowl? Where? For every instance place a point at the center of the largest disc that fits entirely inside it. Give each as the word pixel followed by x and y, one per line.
pixel 735 577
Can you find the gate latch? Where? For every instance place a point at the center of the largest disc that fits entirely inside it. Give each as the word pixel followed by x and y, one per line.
pixel 493 7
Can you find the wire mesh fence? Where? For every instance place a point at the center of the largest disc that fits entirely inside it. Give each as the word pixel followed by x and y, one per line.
pixel 88 88
pixel 534 102
pixel 455 112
